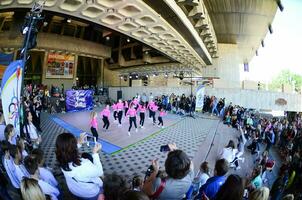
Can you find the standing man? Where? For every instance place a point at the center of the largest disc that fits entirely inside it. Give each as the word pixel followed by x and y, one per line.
pixel 270 139
pixel 144 98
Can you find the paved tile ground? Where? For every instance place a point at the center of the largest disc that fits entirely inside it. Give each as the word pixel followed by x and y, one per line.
pixel 195 136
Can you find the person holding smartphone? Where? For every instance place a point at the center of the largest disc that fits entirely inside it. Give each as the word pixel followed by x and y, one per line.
pixel 82 176
pixel 179 169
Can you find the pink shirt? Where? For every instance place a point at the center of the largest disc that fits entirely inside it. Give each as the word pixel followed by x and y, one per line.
pixel 94 123
pixel 126 104
pixel 114 107
pixel 162 113
pixel 135 101
pixel 105 112
pixel 154 107
pixel 131 112
pixel 119 106
pixel 142 109
pixel 150 104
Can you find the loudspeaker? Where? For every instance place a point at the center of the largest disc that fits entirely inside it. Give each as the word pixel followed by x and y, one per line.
pixel 119 95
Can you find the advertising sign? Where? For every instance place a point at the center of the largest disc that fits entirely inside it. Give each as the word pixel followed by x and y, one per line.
pixel 78 100
pixel 60 66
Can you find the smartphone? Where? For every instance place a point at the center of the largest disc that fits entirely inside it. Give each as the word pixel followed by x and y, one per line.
pixel 164 148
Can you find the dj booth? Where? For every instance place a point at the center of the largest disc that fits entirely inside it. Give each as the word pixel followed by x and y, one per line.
pixel 79 100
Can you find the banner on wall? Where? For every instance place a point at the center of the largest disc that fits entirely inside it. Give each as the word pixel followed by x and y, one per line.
pixel 199 98
pixel 78 100
pixel 11 92
pixel 60 66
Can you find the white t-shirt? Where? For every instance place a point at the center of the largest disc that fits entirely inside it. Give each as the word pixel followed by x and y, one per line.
pixel 228 154
pixel 32 131
pixel 47 176
pixel 49 189
pixel 84 180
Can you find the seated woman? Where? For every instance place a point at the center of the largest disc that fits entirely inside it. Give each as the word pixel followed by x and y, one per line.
pixel 31 131
pixel 231 154
pixel 82 176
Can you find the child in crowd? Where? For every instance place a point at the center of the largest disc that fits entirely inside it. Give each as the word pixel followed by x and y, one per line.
pixel 132 118
pixel 16 168
pixel 114 107
pixel 153 109
pixel 94 124
pixel 142 110
pixel 228 119
pixel 45 174
pixel 9 134
pixel 120 107
pixel 31 166
pixel 160 118
pixel 105 114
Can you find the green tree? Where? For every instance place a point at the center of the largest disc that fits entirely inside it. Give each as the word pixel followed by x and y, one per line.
pixel 286 77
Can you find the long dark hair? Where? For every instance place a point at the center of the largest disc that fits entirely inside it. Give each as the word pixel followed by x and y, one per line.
pixel 67 151
pixel 233 188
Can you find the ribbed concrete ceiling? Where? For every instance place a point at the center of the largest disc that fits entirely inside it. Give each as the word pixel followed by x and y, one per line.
pixel 130 17
pixel 242 22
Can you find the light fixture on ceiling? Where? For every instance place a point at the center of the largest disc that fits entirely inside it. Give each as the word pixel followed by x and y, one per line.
pixel 270 28
pixel 279 3
pixel 130 76
pixel 128 40
pixel 147 75
pixel 154 75
pixel 136 76
pixel 68 20
pixel 262 43
pixel 166 75
pixel 107 38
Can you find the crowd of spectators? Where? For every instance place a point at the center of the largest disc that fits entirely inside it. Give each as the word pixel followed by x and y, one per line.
pixel 23 163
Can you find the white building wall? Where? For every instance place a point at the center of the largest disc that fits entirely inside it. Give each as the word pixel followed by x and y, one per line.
pixel 247 98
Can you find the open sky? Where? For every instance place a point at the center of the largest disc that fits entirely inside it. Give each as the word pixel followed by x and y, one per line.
pixel 282 49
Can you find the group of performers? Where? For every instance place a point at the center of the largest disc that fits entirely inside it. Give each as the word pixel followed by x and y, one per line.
pixel 130 110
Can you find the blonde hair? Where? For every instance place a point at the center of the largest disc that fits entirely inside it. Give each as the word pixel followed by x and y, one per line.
pixel 31 190
pixel 259 194
pixel 93 114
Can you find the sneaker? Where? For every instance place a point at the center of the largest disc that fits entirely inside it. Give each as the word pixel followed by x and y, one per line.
pixel 142 127
pixel 129 134
pixel 136 130
pixel 158 126
pixel 237 168
pixel 232 165
pixel 119 125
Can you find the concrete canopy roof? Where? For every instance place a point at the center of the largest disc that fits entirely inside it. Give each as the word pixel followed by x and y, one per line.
pixel 241 22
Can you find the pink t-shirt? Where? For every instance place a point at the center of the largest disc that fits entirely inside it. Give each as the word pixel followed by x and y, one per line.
pixel 126 104
pixel 150 104
pixel 162 113
pixel 114 107
pixel 142 109
pixel 119 106
pixel 131 112
pixel 154 107
pixel 105 112
pixel 135 101
pixel 94 123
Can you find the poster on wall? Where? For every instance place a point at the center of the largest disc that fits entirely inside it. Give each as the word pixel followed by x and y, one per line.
pixel 60 66
pixel 199 98
pixel 78 100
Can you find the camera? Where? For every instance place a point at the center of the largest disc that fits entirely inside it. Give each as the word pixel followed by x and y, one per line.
pixel 149 171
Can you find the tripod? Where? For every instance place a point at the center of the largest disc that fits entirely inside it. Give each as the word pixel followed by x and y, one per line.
pixel 190 114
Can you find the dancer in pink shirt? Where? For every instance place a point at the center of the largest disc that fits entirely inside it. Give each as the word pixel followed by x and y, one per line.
pixel 126 106
pixel 142 110
pixel 114 107
pixel 132 118
pixel 150 104
pixel 160 118
pixel 94 125
pixel 153 109
pixel 105 114
pixel 120 107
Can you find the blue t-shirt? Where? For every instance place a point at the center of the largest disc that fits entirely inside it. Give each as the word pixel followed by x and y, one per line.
pixel 211 187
